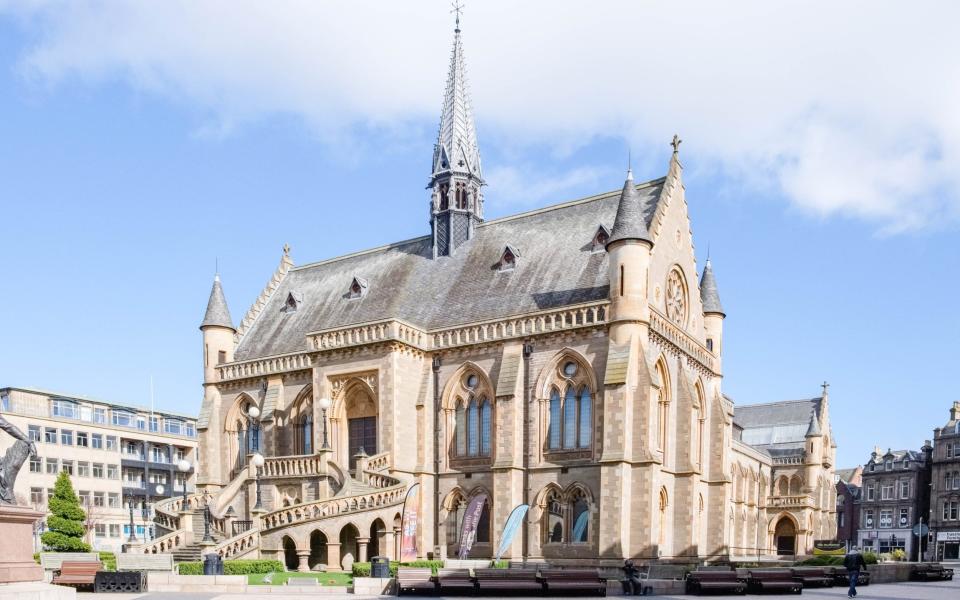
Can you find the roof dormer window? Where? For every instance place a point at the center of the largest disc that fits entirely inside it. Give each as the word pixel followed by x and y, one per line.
pixel 358 288
pixel 600 239
pixel 508 259
pixel 293 301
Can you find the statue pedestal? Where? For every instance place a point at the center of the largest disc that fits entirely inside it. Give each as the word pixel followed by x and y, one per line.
pixel 16 531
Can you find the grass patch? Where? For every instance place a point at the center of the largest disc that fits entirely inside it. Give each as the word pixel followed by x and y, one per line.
pixel 335 579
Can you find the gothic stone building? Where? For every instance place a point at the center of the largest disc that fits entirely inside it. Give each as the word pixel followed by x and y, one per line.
pixel 568 358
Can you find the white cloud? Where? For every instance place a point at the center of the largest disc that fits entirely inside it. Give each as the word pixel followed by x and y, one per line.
pixel 528 187
pixel 847 108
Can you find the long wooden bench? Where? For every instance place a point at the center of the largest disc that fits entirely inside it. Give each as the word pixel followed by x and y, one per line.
pixel 713 581
pixel 508 580
pixel 930 572
pixel 813 576
pixel 415 580
pixel 162 563
pixel 51 561
pixel 456 580
pixel 574 580
pixel 841 577
pixel 77 573
pixel 773 580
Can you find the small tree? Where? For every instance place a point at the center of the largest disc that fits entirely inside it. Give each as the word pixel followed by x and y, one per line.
pixel 65 522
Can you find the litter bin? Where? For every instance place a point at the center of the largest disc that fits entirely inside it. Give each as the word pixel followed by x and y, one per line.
pixel 380 567
pixel 212 564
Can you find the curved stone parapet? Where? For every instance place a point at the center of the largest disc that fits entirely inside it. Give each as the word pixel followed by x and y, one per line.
pixel 331 507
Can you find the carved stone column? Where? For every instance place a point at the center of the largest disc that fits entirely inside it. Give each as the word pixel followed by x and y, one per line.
pixel 304 556
pixel 362 543
pixel 333 556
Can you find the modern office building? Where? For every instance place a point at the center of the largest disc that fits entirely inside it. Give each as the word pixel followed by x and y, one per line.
pixel 117 457
pixel 895 496
pixel 945 489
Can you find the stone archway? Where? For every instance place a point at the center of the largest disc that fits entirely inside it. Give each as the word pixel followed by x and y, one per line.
pixel 377 538
pixel 785 536
pixel 349 547
pixel 318 549
pixel 290 559
pixel 354 422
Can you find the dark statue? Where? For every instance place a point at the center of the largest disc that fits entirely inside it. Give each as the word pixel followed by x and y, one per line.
pixel 13 460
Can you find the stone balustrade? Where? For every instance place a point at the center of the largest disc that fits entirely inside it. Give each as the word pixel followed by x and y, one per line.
pixel 789 501
pixel 293 466
pixel 265 366
pixel 660 325
pixel 331 507
pixel 585 315
pixel 378 462
pixel 164 544
pixel 788 460
pixel 238 545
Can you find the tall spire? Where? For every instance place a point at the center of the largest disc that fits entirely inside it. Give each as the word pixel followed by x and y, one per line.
pixel 629 223
pixel 709 295
pixel 217 315
pixel 456 177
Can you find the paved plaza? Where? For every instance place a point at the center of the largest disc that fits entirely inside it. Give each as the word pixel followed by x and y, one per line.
pixel 885 591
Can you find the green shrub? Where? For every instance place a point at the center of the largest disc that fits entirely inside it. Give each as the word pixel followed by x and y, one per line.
pixel 246 567
pixel 898 554
pixel 234 567
pixel 65 522
pixel 109 560
pixel 501 564
pixel 870 558
pixel 36 557
pixel 363 569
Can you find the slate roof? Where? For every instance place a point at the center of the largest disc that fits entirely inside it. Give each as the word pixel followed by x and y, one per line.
pixel 776 425
pixel 217 311
pixel 558 267
pixel 845 475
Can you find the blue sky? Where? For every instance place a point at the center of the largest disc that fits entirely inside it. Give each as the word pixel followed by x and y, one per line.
pixel 141 143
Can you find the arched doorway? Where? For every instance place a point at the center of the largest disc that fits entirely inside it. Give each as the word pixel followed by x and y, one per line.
pixel 318 549
pixel 348 546
pixel 290 559
pixel 355 422
pixel 785 537
pixel 377 539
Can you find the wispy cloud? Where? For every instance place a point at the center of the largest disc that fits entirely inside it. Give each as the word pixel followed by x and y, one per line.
pixel 846 108
pixel 527 186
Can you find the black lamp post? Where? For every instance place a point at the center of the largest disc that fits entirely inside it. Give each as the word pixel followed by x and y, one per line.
pixel 253 426
pixel 257 461
pixel 324 405
pixel 133 536
pixel 184 467
pixel 207 538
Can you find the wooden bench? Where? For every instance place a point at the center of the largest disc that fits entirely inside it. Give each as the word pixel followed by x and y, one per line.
pixel 77 573
pixel 508 580
pixel 574 580
pixel 51 561
pixel 813 576
pixel 415 580
pixel 841 577
pixel 699 582
pixel 930 572
pixel 454 580
pixel 162 563
pixel 773 580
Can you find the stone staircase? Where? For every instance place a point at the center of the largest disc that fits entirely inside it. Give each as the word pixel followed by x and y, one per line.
pixel 193 552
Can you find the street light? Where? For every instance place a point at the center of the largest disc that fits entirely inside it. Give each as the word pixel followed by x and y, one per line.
pixel 324 405
pixel 207 538
pixel 254 426
pixel 184 467
pixel 132 538
pixel 257 461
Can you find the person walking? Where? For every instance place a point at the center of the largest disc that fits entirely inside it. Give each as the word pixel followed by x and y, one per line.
pixel 854 562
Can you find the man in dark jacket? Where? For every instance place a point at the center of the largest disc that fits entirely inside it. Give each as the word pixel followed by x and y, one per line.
pixel 853 561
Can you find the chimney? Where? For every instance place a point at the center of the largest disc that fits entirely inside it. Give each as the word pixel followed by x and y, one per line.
pixel 955 411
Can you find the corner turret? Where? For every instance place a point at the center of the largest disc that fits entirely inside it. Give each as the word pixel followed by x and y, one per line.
pixel 629 261
pixel 218 332
pixel 713 314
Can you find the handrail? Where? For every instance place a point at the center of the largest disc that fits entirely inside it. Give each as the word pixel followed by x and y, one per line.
pixel 239 544
pixel 163 544
pixel 329 507
pixel 293 466
pixel 378 462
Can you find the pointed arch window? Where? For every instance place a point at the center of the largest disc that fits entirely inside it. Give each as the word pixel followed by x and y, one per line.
pixel 473 428
pixel 461 429
pixel 566 516
pixel 580 518
pixel 485 418
pixel 473 424
pixel 570 409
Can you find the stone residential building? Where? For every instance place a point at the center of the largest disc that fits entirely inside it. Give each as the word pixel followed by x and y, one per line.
pixel 894 497
pixel 116 455
pixel 569 358
pixel 849 487
pixel 945 489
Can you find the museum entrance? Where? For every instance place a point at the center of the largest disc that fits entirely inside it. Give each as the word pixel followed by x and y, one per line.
pixel 785 537
pixel 362 434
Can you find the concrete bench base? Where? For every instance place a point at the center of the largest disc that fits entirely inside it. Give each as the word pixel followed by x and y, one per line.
pixel 36 590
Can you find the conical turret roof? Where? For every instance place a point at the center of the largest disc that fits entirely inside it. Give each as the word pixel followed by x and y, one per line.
pixel 814 429
pixel 217 315
pixel 629 223
pixel 709 295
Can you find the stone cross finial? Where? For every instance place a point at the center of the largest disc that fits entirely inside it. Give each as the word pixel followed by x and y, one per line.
pixel 286 249
pixel 457 8
pixel 675 142
pixel 825 387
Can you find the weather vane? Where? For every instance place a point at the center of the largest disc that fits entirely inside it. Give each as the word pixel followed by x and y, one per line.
pixel 457 8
